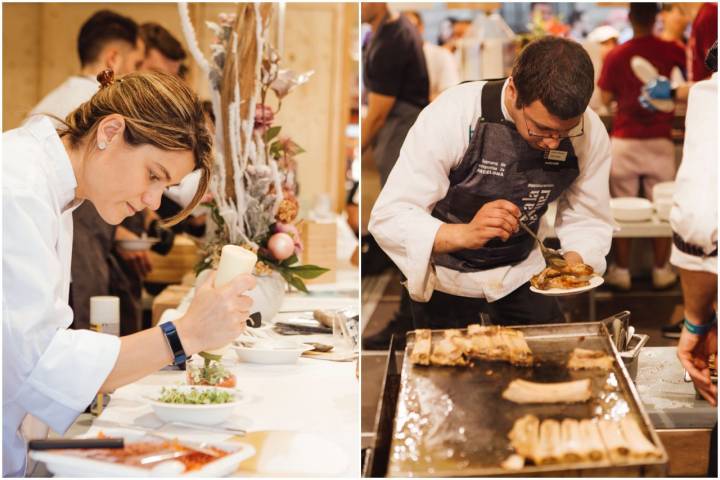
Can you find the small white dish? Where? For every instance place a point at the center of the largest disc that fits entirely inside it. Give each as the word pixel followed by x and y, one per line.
pixel 663 190
pixel 595 281
pixel 63 465
pixel 631 209
pixel 663 205
pixel 269 352
pixel 138 244
pixel 203 414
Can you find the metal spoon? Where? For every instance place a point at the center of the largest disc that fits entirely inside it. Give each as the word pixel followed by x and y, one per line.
pixel 552 257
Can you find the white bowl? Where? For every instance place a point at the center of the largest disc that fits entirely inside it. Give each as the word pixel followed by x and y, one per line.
pixel 631 209
pixel 207 414
pixel 137 244
pixel 663 207
pixel 271 352
pixel 663 190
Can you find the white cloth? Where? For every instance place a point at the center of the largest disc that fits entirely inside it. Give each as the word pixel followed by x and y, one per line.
pixel 73 92
pixel 48 371
pixel 695 202
pixel 442 68
pixel 403 226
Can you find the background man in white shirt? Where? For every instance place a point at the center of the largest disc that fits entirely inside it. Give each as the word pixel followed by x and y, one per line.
pixel 474 165
pixel 441 65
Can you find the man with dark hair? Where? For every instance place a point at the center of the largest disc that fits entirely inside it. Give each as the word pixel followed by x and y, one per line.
pixel 480 159
pixel 163 52
pixel 642 148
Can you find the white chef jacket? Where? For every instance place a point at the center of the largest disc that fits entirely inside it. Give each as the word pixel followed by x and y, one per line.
pixel 403 226
pixel 443 71
pixel 695 201
pixel 49 371
pixel 73 92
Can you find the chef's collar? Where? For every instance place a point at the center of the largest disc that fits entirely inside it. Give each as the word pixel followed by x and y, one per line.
pixel 59 165
pixel 502 102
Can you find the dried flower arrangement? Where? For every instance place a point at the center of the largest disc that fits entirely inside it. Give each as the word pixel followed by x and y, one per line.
pixel 254 182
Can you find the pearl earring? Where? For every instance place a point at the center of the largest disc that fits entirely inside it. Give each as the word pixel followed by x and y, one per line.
pixel 102 145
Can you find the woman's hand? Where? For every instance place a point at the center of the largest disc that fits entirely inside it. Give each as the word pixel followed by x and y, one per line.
pixel 694 352
pixel 216 316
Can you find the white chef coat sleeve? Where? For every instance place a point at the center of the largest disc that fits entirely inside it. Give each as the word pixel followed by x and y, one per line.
pixel 58 371
pixel 400 220
pixel 584 222
pixel 695 204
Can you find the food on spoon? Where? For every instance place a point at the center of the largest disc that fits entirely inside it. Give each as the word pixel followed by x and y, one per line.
pixel 569 276
pixel 584 359
pixel 523 391
pixel 195 396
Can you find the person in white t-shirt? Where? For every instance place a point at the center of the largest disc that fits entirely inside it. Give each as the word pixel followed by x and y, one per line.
pixel 480 159
pixel 441 65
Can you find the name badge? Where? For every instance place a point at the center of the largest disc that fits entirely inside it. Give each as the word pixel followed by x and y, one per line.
pixel 556 155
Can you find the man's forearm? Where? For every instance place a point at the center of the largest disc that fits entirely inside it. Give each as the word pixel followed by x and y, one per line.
pixel 370 127
pixel 450 238
pixel 699 295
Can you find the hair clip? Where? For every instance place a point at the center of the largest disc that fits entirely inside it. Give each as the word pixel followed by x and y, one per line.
pixel 106 77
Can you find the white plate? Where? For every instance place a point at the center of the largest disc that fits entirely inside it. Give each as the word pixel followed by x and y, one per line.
pixel 69 466
pixel 271 352
pixel 595 282
pixel 137 244
pixel 631 209
pixel 210 414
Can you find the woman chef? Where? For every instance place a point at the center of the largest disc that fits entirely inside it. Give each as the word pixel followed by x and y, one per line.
pixel 120 150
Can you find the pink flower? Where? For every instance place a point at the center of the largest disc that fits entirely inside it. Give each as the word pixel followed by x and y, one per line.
pixel 263 117
pixel 291 230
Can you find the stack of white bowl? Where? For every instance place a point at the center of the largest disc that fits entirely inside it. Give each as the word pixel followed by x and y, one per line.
pixel 631 209
pixel 663 199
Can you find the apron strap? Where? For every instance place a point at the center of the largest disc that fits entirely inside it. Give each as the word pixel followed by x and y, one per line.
pixel 491 101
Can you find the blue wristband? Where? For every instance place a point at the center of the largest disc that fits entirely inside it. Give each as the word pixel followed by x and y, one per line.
pixel 699 329
pixel 173 339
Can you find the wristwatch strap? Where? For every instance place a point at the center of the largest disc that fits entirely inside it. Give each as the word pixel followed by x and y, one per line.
pixel 699 329
pixel 173 340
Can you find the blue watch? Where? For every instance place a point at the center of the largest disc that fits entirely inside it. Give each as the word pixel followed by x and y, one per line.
pixel 173 339
pixel 699 329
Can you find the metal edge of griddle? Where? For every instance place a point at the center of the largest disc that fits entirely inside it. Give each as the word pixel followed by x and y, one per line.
pixel 376 463
pixel 655 467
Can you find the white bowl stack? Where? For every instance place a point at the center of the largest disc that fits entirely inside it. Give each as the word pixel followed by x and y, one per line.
pixel 663 199
pixel 631 209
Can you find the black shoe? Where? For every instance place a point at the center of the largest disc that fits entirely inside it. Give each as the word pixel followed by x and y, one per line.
pixel 672 331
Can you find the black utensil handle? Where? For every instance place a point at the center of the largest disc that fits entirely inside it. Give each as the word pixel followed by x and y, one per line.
pixel 57 443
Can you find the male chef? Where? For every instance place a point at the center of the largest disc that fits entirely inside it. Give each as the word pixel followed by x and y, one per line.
pixel 481 158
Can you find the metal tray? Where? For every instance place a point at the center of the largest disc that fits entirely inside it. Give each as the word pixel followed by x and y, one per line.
pixel 450 421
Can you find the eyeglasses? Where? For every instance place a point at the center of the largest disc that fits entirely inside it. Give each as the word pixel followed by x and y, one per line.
pixel 572 133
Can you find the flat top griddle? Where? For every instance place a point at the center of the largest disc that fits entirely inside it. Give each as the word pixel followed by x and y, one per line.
pixel 453 421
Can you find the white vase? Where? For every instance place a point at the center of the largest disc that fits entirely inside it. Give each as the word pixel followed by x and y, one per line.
pixel 268 295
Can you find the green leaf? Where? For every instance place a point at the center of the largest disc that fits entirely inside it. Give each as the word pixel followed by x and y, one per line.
pixel 298 283
pixel 210 356
pixel 271 133
pixel 290 261
pixel 308 271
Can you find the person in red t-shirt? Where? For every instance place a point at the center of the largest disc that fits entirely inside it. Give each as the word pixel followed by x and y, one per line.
pixel 704 32
pixel 641 145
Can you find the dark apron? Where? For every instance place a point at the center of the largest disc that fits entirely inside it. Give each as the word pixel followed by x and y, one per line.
pixel 500 164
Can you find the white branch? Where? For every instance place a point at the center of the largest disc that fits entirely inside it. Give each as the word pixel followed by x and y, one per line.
pixel 191 39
